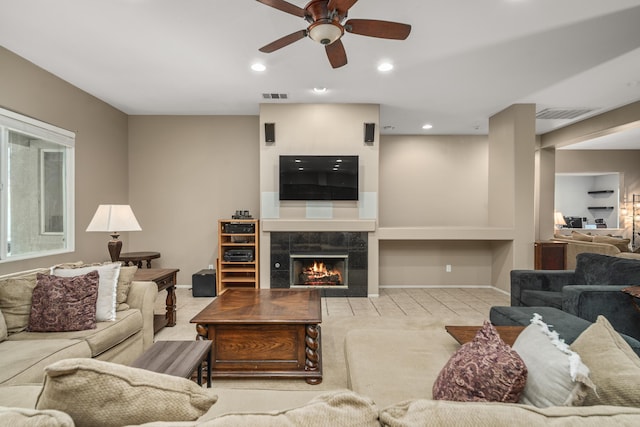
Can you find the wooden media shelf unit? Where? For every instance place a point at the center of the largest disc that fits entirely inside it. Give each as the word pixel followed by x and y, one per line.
pixel 238 261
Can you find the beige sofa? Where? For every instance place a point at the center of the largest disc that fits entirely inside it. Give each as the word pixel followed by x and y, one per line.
pixel 578 243
pixel 24 355
pixel 390 375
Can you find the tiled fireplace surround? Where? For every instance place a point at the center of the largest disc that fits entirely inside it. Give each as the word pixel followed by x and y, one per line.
pixel 354 244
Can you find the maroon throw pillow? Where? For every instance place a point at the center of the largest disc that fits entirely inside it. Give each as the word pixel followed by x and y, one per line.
pixel 483 370
pixel 62 304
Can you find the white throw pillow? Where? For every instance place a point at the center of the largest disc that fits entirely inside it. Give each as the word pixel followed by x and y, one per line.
pixel 556 375
pixel 107 287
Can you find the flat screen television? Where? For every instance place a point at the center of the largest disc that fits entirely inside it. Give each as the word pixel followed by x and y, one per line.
pixel 318 177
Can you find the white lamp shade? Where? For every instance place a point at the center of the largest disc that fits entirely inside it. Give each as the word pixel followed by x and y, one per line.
pixel 558 218
pixel 325 33
pixel 114 218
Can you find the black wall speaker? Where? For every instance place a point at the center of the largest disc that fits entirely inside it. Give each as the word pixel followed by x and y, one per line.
pixel 369 132
pixel 270 132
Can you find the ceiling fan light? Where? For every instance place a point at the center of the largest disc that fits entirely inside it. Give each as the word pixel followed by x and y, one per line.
pixel 325 33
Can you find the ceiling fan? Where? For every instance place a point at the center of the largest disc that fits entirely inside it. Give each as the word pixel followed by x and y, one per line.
pixel 327 26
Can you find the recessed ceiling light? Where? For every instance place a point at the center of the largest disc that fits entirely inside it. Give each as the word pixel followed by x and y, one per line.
pixel 258 67
pixel 319 89
pixel 427 126
pixel 385 66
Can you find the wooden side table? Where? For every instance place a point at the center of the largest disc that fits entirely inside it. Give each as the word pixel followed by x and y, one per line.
pixel 137 258
pixel 166 279
pixel 178 358
pixel 550 255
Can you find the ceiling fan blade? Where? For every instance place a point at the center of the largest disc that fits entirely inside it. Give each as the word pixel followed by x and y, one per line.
pixel 285 7
pixel 341 5
pixel 336 54
pixel 375 28
pixel 283 41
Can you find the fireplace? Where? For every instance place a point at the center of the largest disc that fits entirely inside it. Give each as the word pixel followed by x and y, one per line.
pixel 319 270
pixel 336 263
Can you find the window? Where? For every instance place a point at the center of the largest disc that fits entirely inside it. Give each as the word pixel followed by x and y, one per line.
pixel 36 188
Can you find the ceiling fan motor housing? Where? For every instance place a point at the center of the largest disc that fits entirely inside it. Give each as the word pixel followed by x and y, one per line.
pixel 325 25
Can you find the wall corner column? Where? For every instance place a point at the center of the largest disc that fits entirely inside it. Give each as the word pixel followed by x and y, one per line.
pixel 545 193
pixel 512 188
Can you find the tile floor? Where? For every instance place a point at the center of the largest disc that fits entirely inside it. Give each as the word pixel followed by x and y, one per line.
pixel 471 303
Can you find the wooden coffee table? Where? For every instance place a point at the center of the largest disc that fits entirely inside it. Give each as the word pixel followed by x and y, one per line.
pixel 267 333
pixel 464 334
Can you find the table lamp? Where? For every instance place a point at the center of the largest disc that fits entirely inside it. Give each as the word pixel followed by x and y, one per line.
pixel 114 219
pixel 558 220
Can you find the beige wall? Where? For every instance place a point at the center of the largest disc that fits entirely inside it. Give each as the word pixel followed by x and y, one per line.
pixel 101 148
pixel 422 263
pixel 186 172
pixel 433 181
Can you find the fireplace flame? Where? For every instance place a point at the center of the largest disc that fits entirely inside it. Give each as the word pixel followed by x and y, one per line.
pixel 318 274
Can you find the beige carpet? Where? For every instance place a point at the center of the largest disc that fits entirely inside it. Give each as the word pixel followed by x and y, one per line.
pixel 334 330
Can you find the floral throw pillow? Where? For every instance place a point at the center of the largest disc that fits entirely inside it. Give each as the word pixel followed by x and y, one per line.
pixel 483 370
pixel 61 304
pixel 109 272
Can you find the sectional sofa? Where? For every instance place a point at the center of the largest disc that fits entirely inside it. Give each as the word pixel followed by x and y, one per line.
pixel 391 374
pixel 578 243
pixel 25 354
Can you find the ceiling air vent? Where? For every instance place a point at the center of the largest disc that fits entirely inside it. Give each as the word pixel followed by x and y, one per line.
pixel 562 113
pixel 275 96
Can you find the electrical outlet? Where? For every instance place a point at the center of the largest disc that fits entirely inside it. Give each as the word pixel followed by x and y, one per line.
pixel 447 268
pixel 210 266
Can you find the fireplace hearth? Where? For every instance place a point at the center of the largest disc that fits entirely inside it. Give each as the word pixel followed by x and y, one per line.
pixel 333 262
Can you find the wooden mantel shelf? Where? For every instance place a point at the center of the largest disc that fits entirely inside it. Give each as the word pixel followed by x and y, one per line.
pixel 271 225
pixel 445 233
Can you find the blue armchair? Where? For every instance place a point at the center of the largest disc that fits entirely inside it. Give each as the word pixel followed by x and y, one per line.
pixel 593 288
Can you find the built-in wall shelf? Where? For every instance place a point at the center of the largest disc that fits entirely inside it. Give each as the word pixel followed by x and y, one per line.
pixel 600 207
pixel 600 192
pixel 445 233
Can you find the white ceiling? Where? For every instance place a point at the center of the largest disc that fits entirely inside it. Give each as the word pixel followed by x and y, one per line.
pixel 464 61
